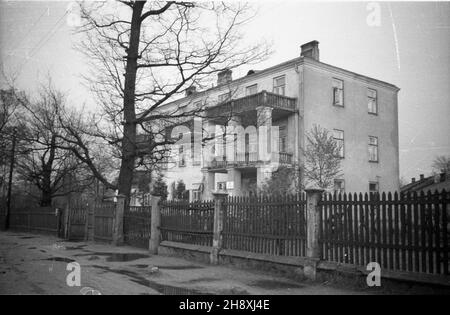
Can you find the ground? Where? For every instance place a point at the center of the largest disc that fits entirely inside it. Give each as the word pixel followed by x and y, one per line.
pixel 37 264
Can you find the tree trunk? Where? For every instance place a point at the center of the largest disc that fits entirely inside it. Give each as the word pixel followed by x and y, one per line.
pixel 129 128
pixel 46 195
pixel 46 198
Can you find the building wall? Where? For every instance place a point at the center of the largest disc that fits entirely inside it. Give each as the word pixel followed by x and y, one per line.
pixel 311 83
pixel 357 125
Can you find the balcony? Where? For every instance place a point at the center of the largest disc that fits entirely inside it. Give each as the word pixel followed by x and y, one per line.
pixel 246 160
pixel 282 105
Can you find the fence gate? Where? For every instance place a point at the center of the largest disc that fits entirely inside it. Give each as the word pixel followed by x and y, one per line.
pixel 136 226
pixel 77 222
pixel 103 221
pixel 186 222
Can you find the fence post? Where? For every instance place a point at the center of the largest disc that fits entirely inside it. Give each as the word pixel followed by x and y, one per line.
pixel 90 221
pixel 155 233
pixel 118 221
pixel 219 202
pixel 312 232
pixel 66 221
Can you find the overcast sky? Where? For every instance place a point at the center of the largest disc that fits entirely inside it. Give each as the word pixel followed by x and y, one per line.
pixel 409 48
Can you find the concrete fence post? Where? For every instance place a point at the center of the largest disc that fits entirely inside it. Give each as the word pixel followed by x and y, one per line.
pixel 155 232
pixel 219 205
pixel 312 232
pixel 66 221
pixel 118 221
pixel 90 221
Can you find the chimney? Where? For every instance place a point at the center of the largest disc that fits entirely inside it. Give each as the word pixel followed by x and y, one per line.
pixel 422 176
pixel 310 50
pixel 224 76
pixel 191 90
pixel 413 180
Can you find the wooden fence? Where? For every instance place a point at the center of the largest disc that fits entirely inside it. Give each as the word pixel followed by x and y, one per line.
pixel 104 221
pixel 402 233
pixel 272 226
pixel 186 222
pixel 77 222
pixel 39 219
pixel 136 226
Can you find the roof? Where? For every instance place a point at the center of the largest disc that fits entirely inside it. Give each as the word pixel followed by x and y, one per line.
pixel 291 62
pixel 428 183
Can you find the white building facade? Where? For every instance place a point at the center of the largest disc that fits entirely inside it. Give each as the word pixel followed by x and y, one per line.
pixel 360 112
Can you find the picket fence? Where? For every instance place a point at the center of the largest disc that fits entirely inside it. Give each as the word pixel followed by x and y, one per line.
pixel 136 225
pixel 104 213
pixel 272 226
pixel 36 219
pixel 407 233
pixel 185 222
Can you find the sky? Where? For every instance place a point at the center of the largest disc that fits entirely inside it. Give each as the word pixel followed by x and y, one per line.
pixel 409 46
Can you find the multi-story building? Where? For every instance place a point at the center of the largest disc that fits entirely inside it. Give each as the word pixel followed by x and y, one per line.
pixel 360 112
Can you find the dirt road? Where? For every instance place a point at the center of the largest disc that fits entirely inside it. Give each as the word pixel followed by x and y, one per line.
pixel 36 264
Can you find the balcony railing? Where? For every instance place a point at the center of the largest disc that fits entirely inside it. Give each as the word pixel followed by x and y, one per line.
pixel 285 158
pixel 248 159
pixel 251 102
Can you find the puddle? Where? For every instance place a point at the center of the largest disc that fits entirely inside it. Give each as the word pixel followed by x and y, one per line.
pixel 141 266
pixel 61 259
pixel 275 284
pixel 27 237
pixel 116 257
pixel 94 258
pixel 122 257
pixel 160 288
pixel 31 247
pixel 43 251
pixel 205 279
pixel 179 267
pixel 75 247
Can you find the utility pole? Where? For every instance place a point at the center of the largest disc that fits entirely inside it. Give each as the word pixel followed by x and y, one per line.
pixel 11 170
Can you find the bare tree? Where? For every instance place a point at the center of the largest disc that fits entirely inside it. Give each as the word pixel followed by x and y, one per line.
pixel 145 54
pixel 322 158
pixel 43 161
pixel 7 107
pixel 441 164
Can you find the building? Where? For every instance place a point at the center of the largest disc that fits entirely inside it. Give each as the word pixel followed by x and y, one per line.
pixel 433 183
pixel 361 112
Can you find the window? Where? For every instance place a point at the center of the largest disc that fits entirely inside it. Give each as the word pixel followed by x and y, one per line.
pixel 283 139
pixel 339 186
pixel 338 136
pixel 181 157
pixel 252 89
pixel 196 195
pixel 279 85
pixel 338 92
pixel 373 187
pixel 372 101
pixel 224 97
pixel 221 185
pixel 373 149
